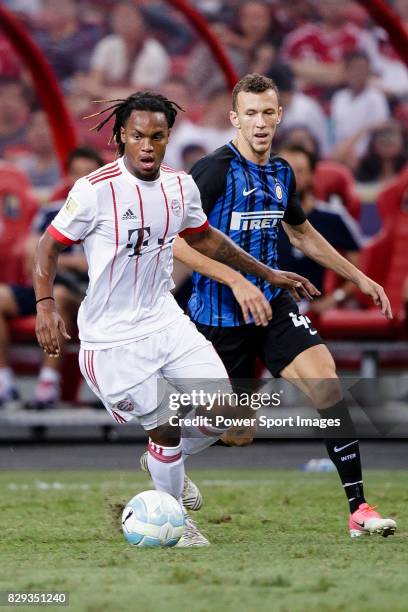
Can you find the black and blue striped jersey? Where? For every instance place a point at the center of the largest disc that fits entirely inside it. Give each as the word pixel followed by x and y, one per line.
pixel 247 202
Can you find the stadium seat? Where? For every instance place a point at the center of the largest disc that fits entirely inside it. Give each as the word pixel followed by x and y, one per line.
pixel 393 197
pixel 17 209
pixel 334 179
pixel 385 260
pixel 22 330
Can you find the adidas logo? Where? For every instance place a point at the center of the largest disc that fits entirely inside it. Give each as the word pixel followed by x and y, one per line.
pixel 129 215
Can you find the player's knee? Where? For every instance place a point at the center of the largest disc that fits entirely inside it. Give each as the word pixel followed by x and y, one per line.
pixel 327 393
pixel 165 435
pixel 8 305
pixel 242 437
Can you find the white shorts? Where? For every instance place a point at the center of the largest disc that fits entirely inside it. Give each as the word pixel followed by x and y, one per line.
pixel 132 380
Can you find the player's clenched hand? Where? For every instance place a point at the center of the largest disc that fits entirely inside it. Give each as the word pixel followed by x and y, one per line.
pixel 238 437
pixel 377 294
pixel 48 325
pixel 252 301
pixel 298 286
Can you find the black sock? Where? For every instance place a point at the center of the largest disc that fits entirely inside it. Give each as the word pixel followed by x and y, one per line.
pixel 345 453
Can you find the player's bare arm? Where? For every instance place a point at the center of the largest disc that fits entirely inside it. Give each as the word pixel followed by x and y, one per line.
pixel 49 323
pixel 312 244
pixel 251 300
pixel 218 246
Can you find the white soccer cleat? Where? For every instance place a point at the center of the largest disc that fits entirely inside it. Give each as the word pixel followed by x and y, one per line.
pixel 366 521
pixel 191 535
pixel 191 495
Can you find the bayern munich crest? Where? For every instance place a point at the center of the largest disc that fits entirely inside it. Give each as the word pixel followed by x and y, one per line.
pixel 126 405
pixel 278 191
pixel 176 207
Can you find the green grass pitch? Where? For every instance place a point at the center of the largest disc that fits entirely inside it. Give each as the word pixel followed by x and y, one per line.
pixel 279 542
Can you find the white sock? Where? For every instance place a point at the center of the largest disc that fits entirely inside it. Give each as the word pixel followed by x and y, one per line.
pixel 166 467
pixel 6 378
pixel 194 439
pixel 49 375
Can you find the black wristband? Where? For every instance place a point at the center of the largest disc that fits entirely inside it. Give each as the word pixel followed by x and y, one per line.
pixel 45 298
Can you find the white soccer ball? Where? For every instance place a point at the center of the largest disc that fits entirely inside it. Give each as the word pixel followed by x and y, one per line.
pixel 153 518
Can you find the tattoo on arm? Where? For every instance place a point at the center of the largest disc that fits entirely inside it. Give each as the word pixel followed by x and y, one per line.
pixel 227 252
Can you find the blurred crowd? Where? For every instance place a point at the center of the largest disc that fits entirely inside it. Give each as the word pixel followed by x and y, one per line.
pixel 343 87
pixel 342 83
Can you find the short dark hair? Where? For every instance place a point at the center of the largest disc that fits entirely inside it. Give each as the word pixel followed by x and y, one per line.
pixel 253 83
pixel 295 148
pixel 283 77
pixel 87 152
pixel 141 100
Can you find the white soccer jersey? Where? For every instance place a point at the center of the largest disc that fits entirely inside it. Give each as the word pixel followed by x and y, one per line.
pixel 128 227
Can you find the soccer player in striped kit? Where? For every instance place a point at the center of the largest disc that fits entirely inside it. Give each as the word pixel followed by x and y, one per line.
pixel 247 193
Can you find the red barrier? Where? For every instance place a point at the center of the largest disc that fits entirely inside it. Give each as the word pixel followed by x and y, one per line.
pixel 387 18
pixel 45 83
pixel 200 24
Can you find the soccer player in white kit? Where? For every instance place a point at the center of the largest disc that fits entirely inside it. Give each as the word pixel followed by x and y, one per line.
pixel 132 332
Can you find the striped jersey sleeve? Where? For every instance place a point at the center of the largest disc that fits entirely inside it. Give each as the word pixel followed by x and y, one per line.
pixel 294 213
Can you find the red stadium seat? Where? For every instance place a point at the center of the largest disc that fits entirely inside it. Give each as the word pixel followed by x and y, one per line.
pixel 334 179
pixel 385 260
pixel 393 197
pixel 17 209
pixel 22 330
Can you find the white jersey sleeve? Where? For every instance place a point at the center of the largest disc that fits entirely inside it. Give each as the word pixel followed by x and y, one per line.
pixel 76 219
pixel 195 219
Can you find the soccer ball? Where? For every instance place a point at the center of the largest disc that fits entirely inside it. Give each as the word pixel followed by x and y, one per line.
pixel 153 518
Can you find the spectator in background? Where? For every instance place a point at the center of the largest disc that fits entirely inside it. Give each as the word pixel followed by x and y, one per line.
pixel 191 154
pixel 250 44
pixel 391 72
pixel 316 50
pixel 332 181
pixel 386 156
pixel 388 65
pixel 16 300
pixel 299 109
pixel 14 112
pixel 66 42
pixel 25 8
pixel 171 26
pixel 354 109
pixel 333 223
pixel 212 130
pixel 298 135
pixel 10 64
pixel 128 58
pixel 40 163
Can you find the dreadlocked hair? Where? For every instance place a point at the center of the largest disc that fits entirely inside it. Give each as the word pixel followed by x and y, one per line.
pixel 122 109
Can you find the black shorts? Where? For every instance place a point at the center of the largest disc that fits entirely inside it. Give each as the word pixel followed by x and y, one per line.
pixel 287 335
pixel 25 300
pixel 25 296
